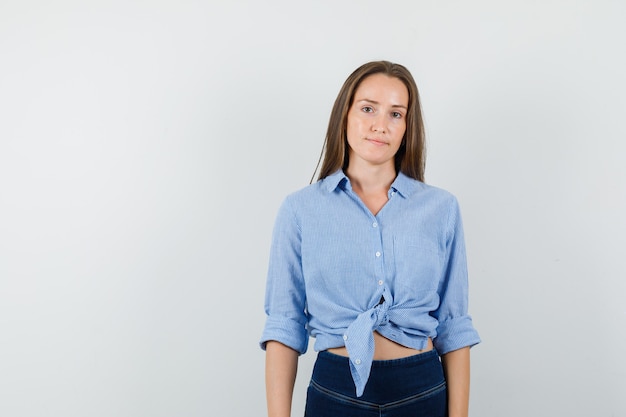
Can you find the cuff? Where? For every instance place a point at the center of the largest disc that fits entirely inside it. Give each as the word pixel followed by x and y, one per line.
pixel 286 331
pixel 455 333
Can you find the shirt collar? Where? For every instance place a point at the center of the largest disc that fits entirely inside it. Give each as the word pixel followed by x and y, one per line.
pixel 332 181
pixel 404 185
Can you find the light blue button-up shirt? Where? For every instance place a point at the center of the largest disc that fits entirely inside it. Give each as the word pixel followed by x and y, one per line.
pixel 338 273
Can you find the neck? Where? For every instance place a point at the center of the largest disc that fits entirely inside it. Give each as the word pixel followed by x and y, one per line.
pixel 371 179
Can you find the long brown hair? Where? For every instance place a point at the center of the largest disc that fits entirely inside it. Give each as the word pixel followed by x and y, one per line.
pixel 410 158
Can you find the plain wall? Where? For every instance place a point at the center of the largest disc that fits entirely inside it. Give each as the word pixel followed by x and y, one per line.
pixel 145 147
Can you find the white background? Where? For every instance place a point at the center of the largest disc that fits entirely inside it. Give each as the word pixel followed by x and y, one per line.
pixel 145 147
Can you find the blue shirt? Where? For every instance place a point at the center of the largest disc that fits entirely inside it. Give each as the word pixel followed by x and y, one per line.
pixel 338 273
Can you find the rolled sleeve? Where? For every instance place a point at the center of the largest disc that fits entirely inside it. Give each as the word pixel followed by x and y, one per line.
pixel 286 331
pixel 455 334
pixel 285 300
pixel 455 329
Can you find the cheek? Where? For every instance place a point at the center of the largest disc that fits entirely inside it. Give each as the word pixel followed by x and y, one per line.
pixel 401 130
pixel 349 133
pixel 353 128
pixel 401 126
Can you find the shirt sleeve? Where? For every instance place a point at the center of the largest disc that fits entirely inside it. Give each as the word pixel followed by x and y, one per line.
pixel 285 300
pixel 455 329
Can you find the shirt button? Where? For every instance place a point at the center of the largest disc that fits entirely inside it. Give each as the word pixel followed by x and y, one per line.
pixel 358 361
pixel 374 224
pixel 345 337
pixel 377 254
pixel 380 282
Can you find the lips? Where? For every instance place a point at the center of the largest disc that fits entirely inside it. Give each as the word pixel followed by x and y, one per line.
pixel 376 141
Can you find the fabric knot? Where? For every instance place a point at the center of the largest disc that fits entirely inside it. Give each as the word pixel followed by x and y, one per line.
pixel 359 340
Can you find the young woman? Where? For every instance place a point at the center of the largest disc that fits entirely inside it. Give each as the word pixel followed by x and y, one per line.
pixel 370 261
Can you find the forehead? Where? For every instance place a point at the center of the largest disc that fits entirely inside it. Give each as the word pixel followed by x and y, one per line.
pixel 381 86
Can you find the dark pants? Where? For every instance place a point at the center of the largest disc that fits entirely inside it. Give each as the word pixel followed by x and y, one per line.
pixel 413 386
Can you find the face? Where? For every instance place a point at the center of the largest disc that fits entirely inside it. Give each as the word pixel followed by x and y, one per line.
pixel 377 120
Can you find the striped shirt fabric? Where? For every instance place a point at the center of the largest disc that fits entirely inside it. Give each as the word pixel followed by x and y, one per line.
pixel 338 273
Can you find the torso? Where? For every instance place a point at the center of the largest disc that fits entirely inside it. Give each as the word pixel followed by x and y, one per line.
pixel 385 349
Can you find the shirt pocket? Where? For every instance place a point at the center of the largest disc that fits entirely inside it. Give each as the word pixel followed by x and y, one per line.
pixel 417 263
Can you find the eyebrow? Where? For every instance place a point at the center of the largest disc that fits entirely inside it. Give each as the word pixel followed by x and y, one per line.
pixel 376 102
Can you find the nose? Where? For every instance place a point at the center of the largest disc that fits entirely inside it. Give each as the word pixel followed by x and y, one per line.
pixel 378 124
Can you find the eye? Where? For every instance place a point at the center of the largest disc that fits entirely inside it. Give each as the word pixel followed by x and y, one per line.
pixel 396 115
pixel 367 109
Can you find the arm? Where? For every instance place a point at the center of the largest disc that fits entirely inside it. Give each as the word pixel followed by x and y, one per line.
pixel 456 368
pixel 285 335
pixel 455 332
pixel 281 364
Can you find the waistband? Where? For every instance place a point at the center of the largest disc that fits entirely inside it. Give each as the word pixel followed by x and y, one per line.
pixel 416 359
pixel 389 380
